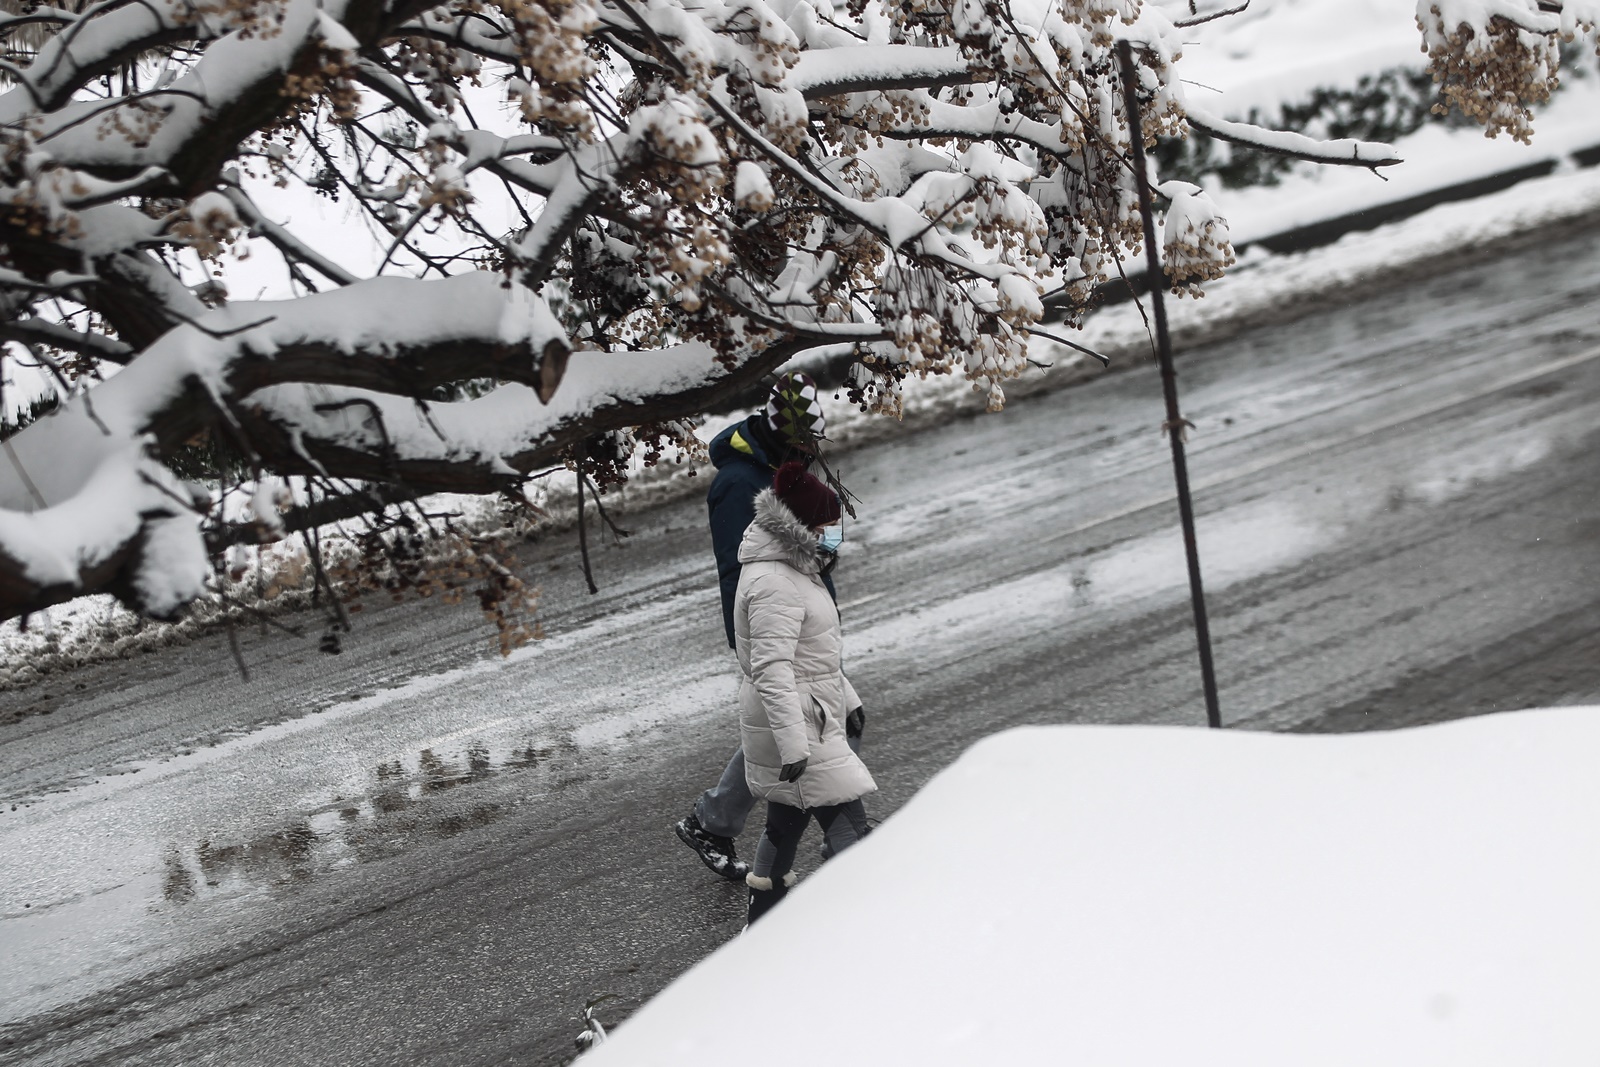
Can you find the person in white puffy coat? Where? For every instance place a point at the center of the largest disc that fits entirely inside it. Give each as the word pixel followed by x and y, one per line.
pixel 793 694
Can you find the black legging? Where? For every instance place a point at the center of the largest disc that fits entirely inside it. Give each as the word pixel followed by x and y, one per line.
pixel 785 826
pixel 779 843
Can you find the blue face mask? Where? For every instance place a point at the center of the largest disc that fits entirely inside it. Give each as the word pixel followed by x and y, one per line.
pixel 832 537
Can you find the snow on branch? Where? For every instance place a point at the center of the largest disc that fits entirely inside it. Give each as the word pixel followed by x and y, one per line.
pixel 1199 18
pixel 130 528
pixel 90 44
pixel 381 334
pixel 878 68
pixel 36 331
pixel 1344 150
pixel 1449 16
pixel 397 335
pixel 493 442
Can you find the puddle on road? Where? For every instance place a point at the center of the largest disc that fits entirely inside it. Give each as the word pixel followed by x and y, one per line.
pixel 147 904
pixel 252 824
pixel 396 805
pixel 400 801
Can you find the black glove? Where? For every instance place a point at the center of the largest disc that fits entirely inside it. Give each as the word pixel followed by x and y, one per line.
pixel 791 771
pixel 855 722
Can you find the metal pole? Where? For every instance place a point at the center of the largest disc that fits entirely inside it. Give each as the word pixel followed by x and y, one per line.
pixel 1169 385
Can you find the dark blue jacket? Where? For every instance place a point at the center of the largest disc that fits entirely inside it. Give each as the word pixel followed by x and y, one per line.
pixel 745 464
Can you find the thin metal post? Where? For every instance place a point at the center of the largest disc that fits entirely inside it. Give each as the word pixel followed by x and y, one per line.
pixel 1169 385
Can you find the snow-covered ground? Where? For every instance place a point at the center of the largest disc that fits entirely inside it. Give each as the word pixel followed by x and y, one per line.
pixel 1278 52
pixel 1158 896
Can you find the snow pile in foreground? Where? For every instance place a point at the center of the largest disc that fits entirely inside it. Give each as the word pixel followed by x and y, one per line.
pixel 1166 895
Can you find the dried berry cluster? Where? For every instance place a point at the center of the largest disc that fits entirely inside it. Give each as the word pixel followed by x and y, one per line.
pixel 1196 246
pixel 550 40
pixel 407 559
pixel 1494 73
pixel 34 191
pixel 1071 218
pixel 209 225
pixel 325 75
pixel 607 458
pixel 874 386
pixel 1196 256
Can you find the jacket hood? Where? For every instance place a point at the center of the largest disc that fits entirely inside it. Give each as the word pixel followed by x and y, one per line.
pixel 741 443
pixel 777 534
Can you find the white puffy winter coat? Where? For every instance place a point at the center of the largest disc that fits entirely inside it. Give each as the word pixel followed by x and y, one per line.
pixel 794 695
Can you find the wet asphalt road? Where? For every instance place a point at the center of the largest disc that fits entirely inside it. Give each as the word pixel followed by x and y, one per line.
pixel 416 853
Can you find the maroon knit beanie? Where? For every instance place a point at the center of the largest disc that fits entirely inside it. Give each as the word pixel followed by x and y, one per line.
pixel 812 502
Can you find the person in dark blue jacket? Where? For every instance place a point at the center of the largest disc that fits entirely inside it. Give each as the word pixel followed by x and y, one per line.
pixel 746 456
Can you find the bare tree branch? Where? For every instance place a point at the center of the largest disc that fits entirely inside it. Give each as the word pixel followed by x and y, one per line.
pixel 1198 18
pixel 44 332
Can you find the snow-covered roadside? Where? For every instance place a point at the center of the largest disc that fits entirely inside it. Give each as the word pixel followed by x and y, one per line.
pixel 1277 52
pixel 1437 158
pixel 1164 895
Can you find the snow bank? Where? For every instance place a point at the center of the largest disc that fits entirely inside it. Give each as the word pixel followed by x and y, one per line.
pixel 1166 895
pixel 1278 52
pixel 1436 157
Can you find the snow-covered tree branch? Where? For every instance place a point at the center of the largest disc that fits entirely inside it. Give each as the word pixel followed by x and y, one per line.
pixel 562 219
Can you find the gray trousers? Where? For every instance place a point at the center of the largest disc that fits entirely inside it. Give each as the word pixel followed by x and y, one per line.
pixel 723 809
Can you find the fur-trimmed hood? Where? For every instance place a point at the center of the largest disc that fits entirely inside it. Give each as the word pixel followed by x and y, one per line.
pixel 776 533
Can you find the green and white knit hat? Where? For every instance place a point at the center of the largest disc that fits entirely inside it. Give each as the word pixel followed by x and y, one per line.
pixel 793 410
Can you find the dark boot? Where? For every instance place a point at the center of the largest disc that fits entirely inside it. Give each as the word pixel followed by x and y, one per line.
pixel 714 851
pixel 765 894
